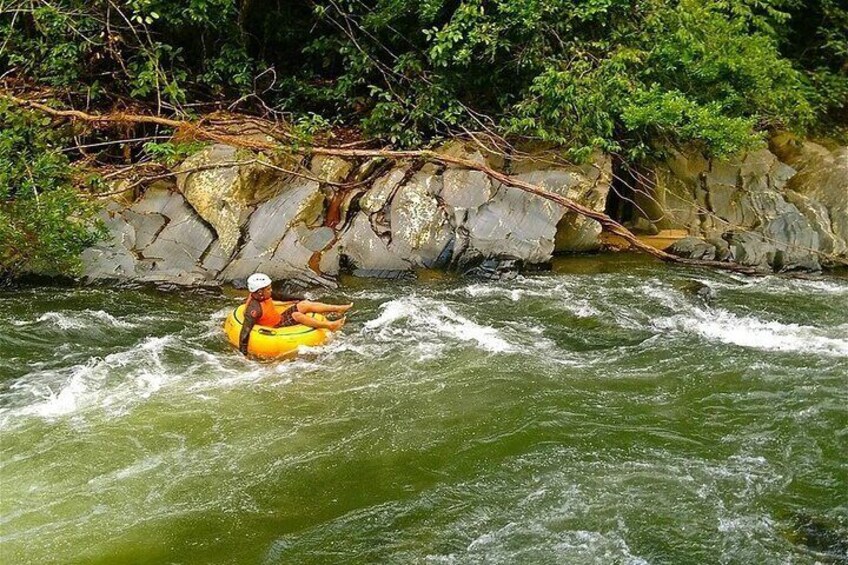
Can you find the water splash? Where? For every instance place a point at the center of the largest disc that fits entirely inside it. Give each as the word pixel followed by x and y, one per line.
pixel 425 320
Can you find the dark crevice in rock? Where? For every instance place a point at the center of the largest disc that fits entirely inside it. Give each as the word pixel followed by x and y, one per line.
pixel 383 274
pixel 502 268
pixel 619 205
pixel 161 229
pixel 206 252
pixel 704 214
pixel 445 256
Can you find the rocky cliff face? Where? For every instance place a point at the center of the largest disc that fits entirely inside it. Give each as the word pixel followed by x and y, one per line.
pixel 221 223
pixel 783 208
pixel 231 213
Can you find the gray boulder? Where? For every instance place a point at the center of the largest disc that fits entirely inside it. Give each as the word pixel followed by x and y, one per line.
pixel 750 249
pixel 330 169
pixel 364 249
pixel 179 246
pixel 671 195
pixel 795 242
pixel 819 189
pixel 513 223
pixel 420 228
pixel 314 239
pixel 230 180
pixel 587 184
pixel 465 188
pixel 299 204
pixel 215 259
pixel 159 238
pixel 111 258
pixel 378 196
pixel 693 248
pixel 147 226
pixel 754 193
pixel 160 199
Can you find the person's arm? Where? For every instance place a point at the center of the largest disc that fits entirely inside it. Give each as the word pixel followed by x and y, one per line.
pixel 252 312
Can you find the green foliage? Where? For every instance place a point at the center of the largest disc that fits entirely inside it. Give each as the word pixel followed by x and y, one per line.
pixel 306 127
pixel 816 39
pixel 615 75
pixel 171 153
pixel 621 75
pixel 44 222
pixel 687 73
pixel 156 50
pixel 673 115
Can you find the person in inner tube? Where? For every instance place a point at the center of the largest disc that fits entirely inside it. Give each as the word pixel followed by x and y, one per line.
pixel 259 309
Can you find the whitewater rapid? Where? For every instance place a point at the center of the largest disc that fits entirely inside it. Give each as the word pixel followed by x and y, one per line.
pixel 617 416
pixel 425 324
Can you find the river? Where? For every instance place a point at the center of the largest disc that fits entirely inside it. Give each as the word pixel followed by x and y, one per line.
pixel 611 411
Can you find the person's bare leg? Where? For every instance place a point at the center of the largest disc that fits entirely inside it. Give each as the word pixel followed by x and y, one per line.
pixel 302 318
pixel 307 307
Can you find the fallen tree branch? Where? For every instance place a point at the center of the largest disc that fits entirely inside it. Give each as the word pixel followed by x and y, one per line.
pixel 124 173
pixel 207 133
pixel 215 166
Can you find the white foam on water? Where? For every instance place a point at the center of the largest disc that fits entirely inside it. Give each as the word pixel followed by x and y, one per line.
pixel 480 290
pixel 370 295
pixel 83 319
pixel 687 316
pixel 216 371
pixel 357 343
pixel 747 331
pixel 582 309
pixel 663 295
pixel 54 403
pixel 423 319
pixel 547 288
pixel 50 394
pixel 62 321
pixel 830 287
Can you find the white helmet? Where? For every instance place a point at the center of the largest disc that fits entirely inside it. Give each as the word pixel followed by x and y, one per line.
pixel 257 281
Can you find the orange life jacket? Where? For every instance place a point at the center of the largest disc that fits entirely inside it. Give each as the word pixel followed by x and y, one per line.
pixel 270 315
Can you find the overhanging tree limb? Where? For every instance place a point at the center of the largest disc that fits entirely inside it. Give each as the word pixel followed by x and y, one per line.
pixel 208 133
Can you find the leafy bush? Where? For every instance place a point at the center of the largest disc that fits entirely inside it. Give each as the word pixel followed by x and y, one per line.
pixel 157 50
pixel 44 222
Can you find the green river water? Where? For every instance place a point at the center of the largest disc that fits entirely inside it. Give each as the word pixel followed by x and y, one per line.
pixel 600 413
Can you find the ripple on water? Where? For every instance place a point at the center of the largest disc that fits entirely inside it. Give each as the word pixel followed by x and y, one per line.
pixel 564 505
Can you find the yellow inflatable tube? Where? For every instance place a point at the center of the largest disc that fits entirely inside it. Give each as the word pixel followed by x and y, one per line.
pixel 269 342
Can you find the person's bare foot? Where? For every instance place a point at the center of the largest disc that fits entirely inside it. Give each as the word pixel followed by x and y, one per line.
pixel 344 307
pixel 337 325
